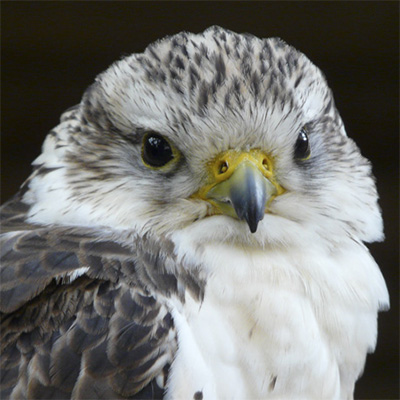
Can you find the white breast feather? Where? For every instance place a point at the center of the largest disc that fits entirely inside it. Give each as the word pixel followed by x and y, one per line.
pixel 277 323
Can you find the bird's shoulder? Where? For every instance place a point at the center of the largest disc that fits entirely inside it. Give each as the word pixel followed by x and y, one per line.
pixel 79 315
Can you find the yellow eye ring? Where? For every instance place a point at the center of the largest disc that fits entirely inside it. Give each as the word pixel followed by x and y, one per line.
pixel 302 151
pixel 157 152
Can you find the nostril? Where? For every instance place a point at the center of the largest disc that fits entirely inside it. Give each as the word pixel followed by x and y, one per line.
pixel 265 163
pixel 223 167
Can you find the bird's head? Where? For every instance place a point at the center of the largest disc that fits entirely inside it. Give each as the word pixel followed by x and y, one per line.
pixel 229 136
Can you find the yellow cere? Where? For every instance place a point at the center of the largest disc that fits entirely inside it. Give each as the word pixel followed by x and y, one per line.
pixel 224 165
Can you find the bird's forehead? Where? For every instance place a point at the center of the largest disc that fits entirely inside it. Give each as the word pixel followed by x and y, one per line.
pixel 217 81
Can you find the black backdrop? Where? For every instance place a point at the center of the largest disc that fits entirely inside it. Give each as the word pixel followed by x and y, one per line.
pixel 52 50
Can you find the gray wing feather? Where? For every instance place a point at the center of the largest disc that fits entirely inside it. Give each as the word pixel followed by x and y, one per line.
pixel 104 334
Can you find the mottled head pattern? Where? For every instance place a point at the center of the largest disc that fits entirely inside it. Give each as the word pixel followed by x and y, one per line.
pixel 206 93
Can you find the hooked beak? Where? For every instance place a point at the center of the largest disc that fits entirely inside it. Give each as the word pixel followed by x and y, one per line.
pixel 242 186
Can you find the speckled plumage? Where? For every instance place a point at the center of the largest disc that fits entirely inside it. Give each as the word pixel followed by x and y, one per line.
pixel 117 283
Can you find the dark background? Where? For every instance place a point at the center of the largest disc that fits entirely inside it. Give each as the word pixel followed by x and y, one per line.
pixel 51 51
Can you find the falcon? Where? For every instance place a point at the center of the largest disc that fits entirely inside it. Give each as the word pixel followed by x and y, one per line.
pixel 194 229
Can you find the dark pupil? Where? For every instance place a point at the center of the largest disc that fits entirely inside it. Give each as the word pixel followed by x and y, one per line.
pixel 157 152
pixel 302 148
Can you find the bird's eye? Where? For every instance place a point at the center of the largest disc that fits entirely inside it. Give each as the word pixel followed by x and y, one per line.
pixel 156 151
pixel 302 147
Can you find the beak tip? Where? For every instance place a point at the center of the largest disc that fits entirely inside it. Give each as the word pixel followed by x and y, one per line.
pixel 253 223
pixel 253 228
